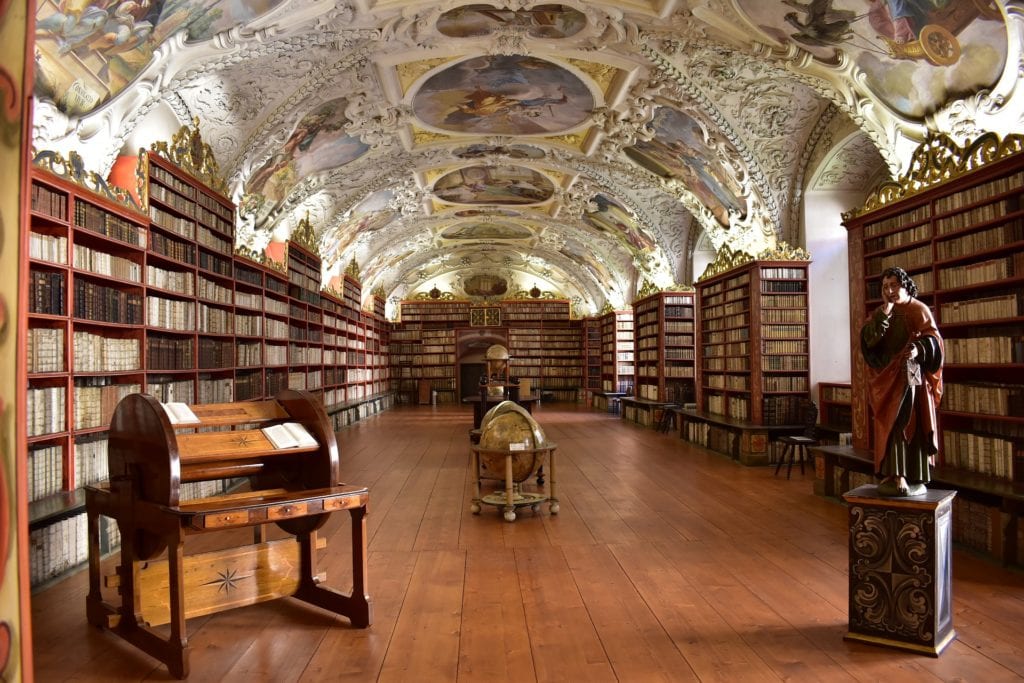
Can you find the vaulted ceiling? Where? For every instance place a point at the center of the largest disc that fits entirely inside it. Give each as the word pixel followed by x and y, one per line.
pixel 584 148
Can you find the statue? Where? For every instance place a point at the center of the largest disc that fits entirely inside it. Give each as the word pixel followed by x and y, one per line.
pixel 903 351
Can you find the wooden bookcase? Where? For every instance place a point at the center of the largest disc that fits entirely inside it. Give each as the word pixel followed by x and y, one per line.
pixel 955 222
pixel 154 299
pixel 753 331
pixel 664 355
pixel 963 243
pixel 592 355
pixel 835 408
pixel 618 371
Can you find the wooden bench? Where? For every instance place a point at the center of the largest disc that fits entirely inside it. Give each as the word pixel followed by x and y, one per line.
pixel 296 488
pixel 1001 494
pixel 748 442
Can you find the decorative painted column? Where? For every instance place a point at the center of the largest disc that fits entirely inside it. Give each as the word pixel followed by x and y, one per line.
pixel 901 569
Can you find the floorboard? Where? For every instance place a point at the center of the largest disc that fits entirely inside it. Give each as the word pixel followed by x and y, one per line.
pixel 667 562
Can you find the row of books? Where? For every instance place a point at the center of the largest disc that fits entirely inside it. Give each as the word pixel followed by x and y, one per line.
pixel 986 308
pixel 95 219
pixel 990 270
pixel 45 350
pixel 982 240
pixel 982 453
pixel 980 192
pixel 898 239
pixel 46 292
pixel 989 398
pixel 102 263
pixel 46 411
pixel 97 353
pixel 48 248
pixel 94 404
pixel 980 214
pixel 985 350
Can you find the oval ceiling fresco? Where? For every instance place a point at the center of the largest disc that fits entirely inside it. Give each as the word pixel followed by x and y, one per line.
pixel 369 215
pixel 542 21
pixel 485 284
pixel 487 231
pixel 494 185
pixel 916 54
pixel 112 42
pixel 504 95
pixel 678 150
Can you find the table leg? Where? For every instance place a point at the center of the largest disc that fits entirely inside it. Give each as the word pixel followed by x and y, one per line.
pixel 552 488
pixel 475 464
pixel 510 507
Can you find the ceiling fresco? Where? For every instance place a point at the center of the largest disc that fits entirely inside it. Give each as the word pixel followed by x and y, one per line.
pixel 585 148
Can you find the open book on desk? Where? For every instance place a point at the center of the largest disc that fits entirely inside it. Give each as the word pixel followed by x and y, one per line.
pixel 180 414
pixel 289 435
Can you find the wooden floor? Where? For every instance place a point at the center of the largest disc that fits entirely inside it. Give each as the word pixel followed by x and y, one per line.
pixel 666 563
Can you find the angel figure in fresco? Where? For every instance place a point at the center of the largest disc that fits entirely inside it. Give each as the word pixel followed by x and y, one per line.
pixel 823 25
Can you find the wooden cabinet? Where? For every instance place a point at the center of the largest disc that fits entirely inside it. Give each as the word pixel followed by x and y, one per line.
pixel 753 332
pixel 664 347
pixel 962 241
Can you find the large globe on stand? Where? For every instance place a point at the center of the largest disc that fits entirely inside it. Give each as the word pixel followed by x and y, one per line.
pixel 504 424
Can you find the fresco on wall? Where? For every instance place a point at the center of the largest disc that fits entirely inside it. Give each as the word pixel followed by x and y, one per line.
pixel 487 231
pixel 88 51
pixel 916 54
pixel 678 150
pixel 481 150
pixel 578 252
pixel 493 185
pixel 485 284
pixel 613 218
pixel 541 21
pixel 504 95
pixel 319 142
pixel 368 216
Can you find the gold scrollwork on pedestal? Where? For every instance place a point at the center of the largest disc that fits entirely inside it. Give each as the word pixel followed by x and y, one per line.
pixel 937 160
pixel 188 151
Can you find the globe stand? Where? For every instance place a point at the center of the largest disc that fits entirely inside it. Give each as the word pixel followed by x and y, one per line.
pixel 513 496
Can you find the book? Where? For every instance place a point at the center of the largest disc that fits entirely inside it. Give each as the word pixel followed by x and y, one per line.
pixel 180 413
pixel 289 435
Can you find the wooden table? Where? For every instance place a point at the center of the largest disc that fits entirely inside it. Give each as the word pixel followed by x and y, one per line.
pixel 513 496
pixel 740 440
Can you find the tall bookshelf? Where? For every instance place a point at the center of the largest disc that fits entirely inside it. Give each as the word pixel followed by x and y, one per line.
pixel 592 355
pixel 664 354
pixel 127 297
pixel 617 352
pixel 753 332
pixel 962 241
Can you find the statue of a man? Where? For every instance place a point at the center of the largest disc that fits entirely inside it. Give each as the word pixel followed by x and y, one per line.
pixel 903 350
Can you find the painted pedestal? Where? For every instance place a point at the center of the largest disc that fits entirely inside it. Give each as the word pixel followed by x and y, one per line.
pixel 901 570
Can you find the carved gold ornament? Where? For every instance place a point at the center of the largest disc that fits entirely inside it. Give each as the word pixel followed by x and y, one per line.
pixel 725 260
pixel 937 160
pixel 73 169
pixel 305 236
pixel 188 151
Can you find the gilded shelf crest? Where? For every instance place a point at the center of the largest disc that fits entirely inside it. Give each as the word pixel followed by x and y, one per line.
pixel 353 270
pixel 937 160
pixel 607 308
pixel 784 252
pixel 305 236
pixel 188 151
pixel 725 260
pixel 73 169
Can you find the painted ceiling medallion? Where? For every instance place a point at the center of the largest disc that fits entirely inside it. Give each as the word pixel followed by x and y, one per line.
pixel 486 231
pixel 504 95
pixel 485 284
pixel 512 185
pixel 540 21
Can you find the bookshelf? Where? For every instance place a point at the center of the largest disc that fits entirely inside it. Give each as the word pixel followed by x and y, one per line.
pixel 592 355
pixel 835 408
pixel 664 338
pixel 955 222
pixel 753 373
pixel 126 299
pixel 962 241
